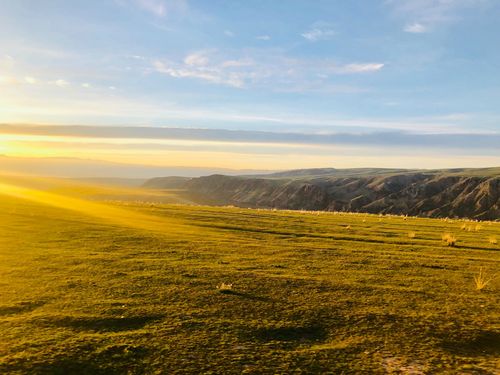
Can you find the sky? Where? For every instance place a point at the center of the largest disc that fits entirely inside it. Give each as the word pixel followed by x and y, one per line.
pixel 265 85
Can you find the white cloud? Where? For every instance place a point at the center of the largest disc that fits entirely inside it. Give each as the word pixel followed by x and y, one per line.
pixel 197 59
pixel 86 85
pixel 6 62
pixel 265 69
pixel 237 63
pixel 8 80
pixel 358 68
pixel 319 31
pixel 210 74
pixel 416 28
pixel 228 33
pixel 61 83
pixel 162 8
pixel 424 15
pixel 30 80
pixel 263 37
pixel 198 65
pixel 157 7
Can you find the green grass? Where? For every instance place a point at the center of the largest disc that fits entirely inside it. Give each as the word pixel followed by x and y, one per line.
pixel 84 294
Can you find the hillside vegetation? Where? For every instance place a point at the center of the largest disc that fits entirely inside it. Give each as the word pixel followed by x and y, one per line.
pixel 90 286
pixel 465 193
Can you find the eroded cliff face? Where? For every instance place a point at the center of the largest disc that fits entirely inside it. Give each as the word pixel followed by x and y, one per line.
pixel 418 194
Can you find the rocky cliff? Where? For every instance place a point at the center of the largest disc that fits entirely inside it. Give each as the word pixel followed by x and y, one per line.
pixel 432 194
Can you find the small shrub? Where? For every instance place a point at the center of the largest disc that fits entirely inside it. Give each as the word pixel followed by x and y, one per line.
pixel 492 240
pixel 224 288
pixel 412 234
pixel 450 239
pixel 481 280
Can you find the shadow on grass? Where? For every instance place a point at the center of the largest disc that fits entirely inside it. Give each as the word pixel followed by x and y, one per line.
pixel 480 342
pixel 21 307
pixel 65 366
pixel 245 295
pixel 291 333
pixel 103 324
pixel 112 359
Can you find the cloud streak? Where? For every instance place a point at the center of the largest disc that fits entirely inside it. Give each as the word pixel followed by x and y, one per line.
pixel 416 28
pixel 358 68
pixel 425 15
pixel 485 143
pixel 158 8
pixel 280 72
pixel 319 31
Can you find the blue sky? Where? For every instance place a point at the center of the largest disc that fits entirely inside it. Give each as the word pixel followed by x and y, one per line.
pixel 313 67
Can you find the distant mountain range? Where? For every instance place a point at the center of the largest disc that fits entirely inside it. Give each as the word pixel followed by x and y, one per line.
pixel 98 169
pixel 469 193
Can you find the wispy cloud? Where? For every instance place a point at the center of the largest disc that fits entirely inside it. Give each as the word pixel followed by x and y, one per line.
pixel 229 33
pixel 416 28
pixel 148 136
pixel 61 83
pixel 319 31
pixel 425 15
pixel 159 8
pixel 358 68
pixel 30 80
pixel 263 68
pixel 238 63
pixel 197 59
pixel 6 62
pixel 8 80
pixel 263 37
pixel 46 82
pixel 212 74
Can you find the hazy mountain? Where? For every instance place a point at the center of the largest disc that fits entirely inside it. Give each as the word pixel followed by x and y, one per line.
pixel 91 169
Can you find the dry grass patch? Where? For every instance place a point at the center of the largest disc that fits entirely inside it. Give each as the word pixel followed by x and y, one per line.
pixel 224 288
pixel 481 280
pixel 449 239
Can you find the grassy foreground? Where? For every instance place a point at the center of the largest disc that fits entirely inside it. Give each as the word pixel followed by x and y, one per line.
pixel 93 287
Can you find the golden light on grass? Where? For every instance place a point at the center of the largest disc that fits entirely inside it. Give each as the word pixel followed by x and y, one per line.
pixel 492 240
pixel 412 234
pixel 111 214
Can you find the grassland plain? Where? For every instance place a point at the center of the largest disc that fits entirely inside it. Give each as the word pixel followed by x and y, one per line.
pixel 92 287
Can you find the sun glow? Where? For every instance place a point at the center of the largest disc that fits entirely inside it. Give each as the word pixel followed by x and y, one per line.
pixel 126 217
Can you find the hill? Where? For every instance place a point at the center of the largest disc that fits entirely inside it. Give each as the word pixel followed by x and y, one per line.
pixel 91 287
pixel 467 193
